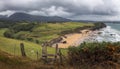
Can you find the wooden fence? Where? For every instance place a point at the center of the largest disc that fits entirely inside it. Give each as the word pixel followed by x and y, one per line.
pixel 57 57
pixel 46 57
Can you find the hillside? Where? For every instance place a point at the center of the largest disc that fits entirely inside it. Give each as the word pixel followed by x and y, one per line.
pixel 104 55
pixel 12 46
pixel 40 33
pixel 85 56
pixel 8 61
pixel 34 36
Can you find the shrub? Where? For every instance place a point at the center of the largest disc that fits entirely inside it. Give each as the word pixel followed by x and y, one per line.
pixel 9 33
pixel 30 39
pixel 23 27
pixel 37 41
pixel 94 53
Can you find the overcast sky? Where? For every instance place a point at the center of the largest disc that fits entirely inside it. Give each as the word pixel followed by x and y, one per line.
pixel 73 9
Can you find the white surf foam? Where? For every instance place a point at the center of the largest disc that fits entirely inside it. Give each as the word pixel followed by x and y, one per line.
pixel 107 34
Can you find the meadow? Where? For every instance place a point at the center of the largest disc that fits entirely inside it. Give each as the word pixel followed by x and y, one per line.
pixel 96 55
pixel 40 32
pixel 12 46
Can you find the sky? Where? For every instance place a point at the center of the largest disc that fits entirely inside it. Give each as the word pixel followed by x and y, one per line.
pixel 72 9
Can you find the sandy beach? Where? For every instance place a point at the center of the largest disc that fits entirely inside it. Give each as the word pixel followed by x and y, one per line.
pixel 75 39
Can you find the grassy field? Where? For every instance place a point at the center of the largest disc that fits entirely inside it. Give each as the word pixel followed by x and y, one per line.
pixel 44 32
pixel 48 31
pixel 12 46
pixel 53 30
pixel 2 30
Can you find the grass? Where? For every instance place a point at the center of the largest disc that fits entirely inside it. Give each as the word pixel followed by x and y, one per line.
pixel 2 30
pixel 49 31
pixel 81 59
pixel 8 61
pixel 86 56
pixel 12 46
pixel 45 32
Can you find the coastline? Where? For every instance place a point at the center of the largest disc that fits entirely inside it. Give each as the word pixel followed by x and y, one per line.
pixel 76 39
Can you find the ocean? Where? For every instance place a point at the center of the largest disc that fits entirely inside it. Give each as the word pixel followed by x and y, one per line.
pixel 109 34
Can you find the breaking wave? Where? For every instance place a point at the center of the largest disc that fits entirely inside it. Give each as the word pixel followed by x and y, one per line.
pixel 108 34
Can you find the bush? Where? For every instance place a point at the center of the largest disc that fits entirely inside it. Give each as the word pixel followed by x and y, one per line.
pixel 30 39
pixel 15 31
pixel 23 27
pixel 37 41
pixel 9 33
pixel 20 36
pixel 94 53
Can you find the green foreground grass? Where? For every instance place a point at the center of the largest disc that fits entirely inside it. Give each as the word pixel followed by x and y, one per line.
pixel 12 46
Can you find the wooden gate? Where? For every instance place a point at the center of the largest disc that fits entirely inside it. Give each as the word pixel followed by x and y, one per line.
pixel 51 58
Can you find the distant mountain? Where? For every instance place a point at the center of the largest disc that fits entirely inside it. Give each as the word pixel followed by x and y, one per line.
pixel 2 16
pixel 33 18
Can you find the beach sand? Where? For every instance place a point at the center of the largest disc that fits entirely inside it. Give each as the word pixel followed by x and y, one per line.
pixel 75 39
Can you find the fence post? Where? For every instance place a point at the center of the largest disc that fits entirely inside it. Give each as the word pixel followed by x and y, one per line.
pixel 37 54
pixel 56 52
pixel 22 50
pixel 60 55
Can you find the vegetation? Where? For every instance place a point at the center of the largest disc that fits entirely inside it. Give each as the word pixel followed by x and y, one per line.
pixel 8 61
pixel 37 33
pixel 95 55
pixel 33 32
pixel 98 26
pixel 5 58
pixel 86 56
pixel 40 33
pixel 12 46
pixel 6 23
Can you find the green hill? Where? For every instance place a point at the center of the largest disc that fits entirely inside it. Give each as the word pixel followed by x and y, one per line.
pixel 12 46
pixel 30 33
pixel 40 33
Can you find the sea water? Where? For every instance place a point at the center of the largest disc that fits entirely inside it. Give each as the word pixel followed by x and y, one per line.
pixel 109 34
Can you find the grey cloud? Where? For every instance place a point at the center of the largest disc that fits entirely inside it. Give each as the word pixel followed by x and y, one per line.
pixel 66 8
